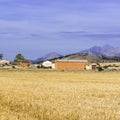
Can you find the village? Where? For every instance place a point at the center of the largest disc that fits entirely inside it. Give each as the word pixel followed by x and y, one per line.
pixel 60 64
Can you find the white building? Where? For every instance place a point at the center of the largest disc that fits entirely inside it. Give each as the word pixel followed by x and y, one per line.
pixel 91 66
pixel 48 64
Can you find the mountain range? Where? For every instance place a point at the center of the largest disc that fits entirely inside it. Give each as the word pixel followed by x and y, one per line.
pixel 106 50
pixel 93 54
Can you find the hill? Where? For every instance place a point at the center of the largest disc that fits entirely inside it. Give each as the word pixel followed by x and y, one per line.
pixel 91 58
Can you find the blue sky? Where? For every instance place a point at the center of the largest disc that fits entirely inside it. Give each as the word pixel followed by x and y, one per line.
pixel 37 27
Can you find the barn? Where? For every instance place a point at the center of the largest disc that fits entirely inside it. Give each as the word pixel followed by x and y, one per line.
pixel 71 64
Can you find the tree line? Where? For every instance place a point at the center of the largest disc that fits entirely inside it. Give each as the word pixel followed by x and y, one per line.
pixel 18 58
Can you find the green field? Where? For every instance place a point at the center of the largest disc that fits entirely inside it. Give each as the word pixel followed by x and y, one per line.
pixel 47 95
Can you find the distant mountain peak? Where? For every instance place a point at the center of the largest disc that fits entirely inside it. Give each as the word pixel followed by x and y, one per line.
pixel 107 50
pixel 53 54
pixel 48 56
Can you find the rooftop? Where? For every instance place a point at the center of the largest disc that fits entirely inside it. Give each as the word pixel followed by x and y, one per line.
pixel 72 60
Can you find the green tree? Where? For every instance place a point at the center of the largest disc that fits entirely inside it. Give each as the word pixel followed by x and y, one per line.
pixel 1 56
pixel 19 58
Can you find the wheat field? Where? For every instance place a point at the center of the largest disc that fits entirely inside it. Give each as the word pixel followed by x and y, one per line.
pixel 52 95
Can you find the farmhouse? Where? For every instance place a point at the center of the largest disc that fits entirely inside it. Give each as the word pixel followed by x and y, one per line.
pixel 25 63
pixel 91 66
pixel 71 64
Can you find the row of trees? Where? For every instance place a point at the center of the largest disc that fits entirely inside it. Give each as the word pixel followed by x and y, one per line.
pixel 18 58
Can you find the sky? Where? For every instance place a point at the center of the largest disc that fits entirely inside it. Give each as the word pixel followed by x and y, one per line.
pixel 37 27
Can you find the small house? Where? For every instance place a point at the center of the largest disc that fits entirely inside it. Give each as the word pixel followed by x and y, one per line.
pixel 91 66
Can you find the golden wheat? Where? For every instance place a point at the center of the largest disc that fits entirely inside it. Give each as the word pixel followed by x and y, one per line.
pixel 29 95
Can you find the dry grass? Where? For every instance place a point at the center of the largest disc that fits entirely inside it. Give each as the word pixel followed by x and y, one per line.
pixel 59 95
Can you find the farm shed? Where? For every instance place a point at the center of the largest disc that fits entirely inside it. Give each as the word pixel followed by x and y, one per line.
pixel 91 66
pixel 71 64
